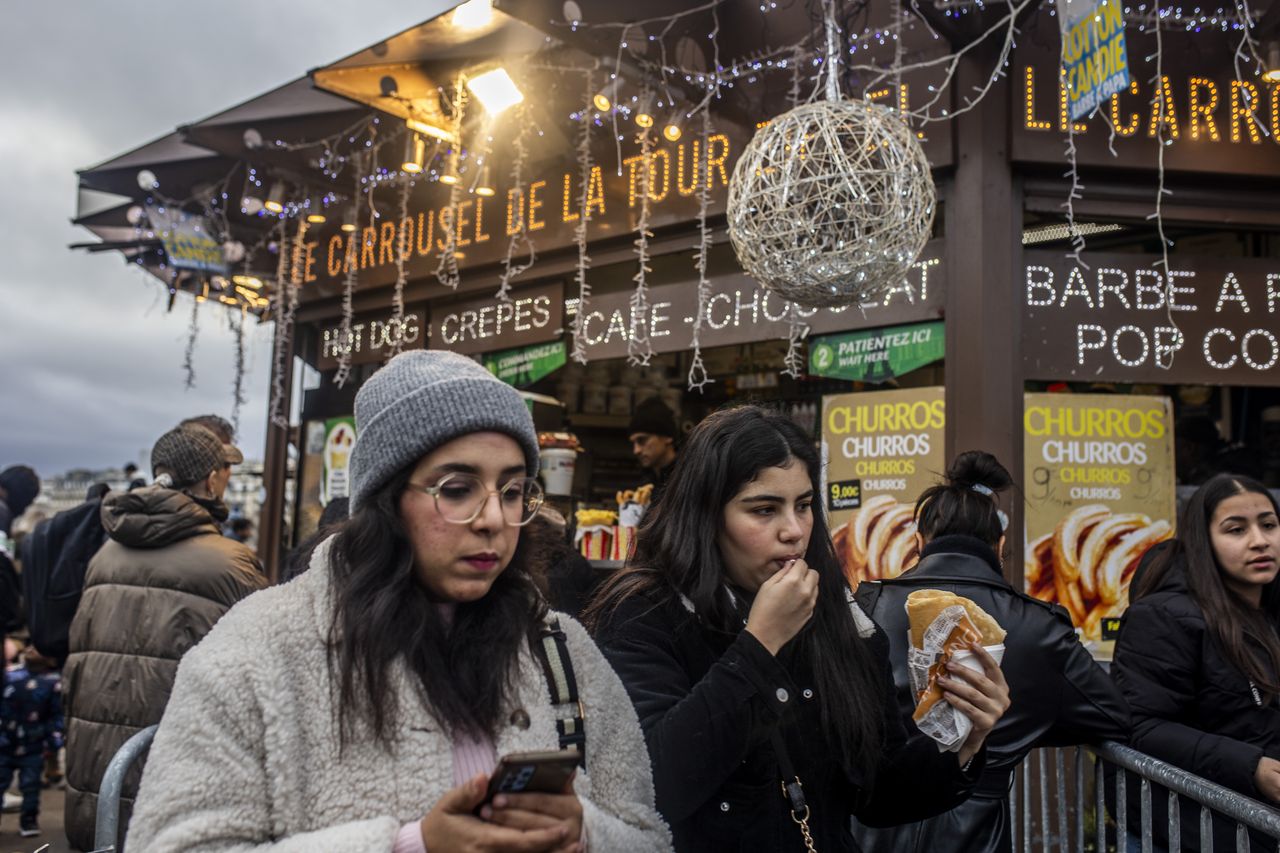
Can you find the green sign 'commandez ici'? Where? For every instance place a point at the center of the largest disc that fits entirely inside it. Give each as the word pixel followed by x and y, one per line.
pixel 525 366
pixel 877 355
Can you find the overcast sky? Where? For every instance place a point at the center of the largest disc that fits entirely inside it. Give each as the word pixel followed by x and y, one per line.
pixel 90 362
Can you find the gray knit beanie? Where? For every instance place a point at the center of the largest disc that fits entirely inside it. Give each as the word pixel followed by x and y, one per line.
pixel 422 399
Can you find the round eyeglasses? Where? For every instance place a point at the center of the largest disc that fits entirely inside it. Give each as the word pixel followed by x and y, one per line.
pixel 460 498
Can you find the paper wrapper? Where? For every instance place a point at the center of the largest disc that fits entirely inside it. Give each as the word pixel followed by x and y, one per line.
pixel 594 542
pixel 630 513
pixel 944 723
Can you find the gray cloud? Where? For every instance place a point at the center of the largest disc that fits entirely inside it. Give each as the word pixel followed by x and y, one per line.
pixel 90 362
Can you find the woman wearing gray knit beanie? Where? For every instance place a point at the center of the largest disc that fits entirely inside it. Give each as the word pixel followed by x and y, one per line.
pixel 388 679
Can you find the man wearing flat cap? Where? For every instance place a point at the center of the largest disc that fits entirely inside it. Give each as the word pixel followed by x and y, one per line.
pixel 157 586
pixel 652 433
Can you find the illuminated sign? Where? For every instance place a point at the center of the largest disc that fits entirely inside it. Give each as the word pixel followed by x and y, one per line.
pixel 532 315
pixel 738 310
pixel 1211 119
pixel 1124 319
pixel 372 337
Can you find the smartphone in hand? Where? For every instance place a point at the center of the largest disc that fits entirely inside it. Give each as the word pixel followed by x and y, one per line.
pixel 533 773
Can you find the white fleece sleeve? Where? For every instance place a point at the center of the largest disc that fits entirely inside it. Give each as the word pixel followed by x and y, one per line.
pixel 206 788
pixel 619 813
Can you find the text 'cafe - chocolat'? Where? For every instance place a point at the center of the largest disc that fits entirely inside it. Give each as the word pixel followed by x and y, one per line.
pixel 1107 382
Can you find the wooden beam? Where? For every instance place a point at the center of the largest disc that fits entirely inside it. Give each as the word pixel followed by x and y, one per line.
pixel 983 318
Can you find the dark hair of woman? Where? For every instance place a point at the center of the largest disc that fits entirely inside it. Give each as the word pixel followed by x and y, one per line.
pixel 1242 631
pixel 676 553
pixel 464 672
pixel 955 507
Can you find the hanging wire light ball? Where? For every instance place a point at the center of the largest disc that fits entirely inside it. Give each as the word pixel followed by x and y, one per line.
pixel 831 203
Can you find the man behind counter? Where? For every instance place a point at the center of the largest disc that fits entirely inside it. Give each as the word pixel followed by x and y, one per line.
pixel 653 441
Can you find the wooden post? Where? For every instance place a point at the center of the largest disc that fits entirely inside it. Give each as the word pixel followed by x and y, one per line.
pixel 275 469
pixel 984 256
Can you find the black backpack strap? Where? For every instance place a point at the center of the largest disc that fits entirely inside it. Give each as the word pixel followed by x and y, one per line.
pixel 557 666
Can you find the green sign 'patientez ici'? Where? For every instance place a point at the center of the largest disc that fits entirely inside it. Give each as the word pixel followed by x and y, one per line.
pixel 877 355
pixel 525 366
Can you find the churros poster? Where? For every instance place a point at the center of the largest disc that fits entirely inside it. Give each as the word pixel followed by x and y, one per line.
pixel 1099 483
pixel 882 449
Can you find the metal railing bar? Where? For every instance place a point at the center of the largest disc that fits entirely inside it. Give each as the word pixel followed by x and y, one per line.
pixel 1206 830
pixel 1064 832
pixel 1100 815
pixel 1122 812
pixel 1080 799
pixel 1044 804
pixel 1026 809
pixel 1175 824
pixel 1144 797
pixel 1229 803
pixel 1013 808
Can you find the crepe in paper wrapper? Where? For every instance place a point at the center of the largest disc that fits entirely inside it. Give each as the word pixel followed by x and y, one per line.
pixel 943 625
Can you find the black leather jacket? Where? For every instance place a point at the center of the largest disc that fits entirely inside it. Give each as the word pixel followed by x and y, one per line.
pixel 709 705
pixel 1059 695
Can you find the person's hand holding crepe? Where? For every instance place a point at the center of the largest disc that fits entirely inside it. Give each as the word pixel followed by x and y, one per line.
pixel 955 656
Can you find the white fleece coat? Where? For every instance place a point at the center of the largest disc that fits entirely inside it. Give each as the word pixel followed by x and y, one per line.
pixel 246 758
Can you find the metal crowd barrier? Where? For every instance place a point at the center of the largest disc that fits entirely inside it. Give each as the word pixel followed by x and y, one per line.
pixel 107 824
pixel 1068 811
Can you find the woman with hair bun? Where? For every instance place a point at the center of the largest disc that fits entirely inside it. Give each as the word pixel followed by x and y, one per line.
pixel 1059 695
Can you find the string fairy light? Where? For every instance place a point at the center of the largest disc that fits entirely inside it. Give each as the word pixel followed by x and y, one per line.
pixel 698 378
pixel 188 359
pixel 517 236
pixel 639 346
pixel 351 268
pixel 585 170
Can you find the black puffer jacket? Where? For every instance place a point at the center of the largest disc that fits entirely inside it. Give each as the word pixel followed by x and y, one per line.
pixel 1059 694
pixel 708 709
pixel 1191 707
pixel 151 593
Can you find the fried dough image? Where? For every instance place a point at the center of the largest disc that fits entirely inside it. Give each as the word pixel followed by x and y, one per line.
pixel 878 541
pixel 1086 563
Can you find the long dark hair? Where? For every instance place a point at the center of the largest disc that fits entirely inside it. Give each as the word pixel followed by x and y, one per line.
pixel 1242 632
pixel 676 553
pixel 955 507
pixel 464 672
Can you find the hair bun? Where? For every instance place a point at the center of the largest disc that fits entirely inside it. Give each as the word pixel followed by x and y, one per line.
pixel 977 467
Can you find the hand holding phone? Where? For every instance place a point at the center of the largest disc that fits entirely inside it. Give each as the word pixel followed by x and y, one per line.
pixel 533 773
pixel 451 825
pixel 534 791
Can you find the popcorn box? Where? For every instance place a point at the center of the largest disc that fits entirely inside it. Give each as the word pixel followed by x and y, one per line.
pixel 595 542
pixel 623 542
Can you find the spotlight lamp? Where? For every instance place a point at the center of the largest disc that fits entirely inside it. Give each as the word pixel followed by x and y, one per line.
pixel 274 201
pixel 495 90
pixel 349 220
pixel 415 154
pixel 315 210
pixel 1272 74
pixel 473 15
pixel 644 113
pixel 607 96
pixel 674 128
pixel 484 187
pixel 450 176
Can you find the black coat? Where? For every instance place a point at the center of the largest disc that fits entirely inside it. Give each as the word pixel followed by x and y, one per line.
pixel 1059 695
pixel 708 708
pixel 1191 707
